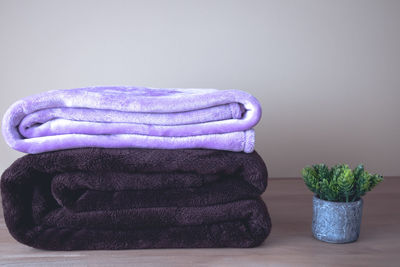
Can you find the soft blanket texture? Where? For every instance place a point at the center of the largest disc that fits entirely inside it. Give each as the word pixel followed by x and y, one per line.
pixel 96 198
pixel 120 117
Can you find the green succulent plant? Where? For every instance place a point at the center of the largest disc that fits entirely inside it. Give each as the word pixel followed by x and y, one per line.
pixel 339 183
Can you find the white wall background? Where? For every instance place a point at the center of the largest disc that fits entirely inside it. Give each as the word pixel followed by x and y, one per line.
pixel 327 73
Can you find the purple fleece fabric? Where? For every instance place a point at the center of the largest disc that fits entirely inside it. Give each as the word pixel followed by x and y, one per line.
pixel 96 198
pixel 120 117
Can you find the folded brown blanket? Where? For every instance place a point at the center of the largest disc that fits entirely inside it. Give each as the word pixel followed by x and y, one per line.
pixel 95 198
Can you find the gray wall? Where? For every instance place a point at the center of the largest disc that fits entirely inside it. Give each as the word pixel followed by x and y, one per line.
pixel 327 73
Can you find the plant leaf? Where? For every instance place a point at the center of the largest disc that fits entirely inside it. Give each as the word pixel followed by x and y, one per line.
pixel 345 182
pixel 310 178
pixel 358 171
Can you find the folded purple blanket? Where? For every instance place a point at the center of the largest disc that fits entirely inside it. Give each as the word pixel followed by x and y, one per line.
pixel 120 117
pixel 96 198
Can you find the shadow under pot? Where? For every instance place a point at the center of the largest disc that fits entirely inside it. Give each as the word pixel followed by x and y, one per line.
pixel 336 222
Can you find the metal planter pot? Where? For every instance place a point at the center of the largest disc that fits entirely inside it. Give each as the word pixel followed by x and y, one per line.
pixel 336 222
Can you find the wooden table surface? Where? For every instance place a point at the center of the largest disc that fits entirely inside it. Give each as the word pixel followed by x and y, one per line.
pixel 289 244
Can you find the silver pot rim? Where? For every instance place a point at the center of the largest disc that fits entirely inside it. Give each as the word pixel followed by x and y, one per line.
pixel 338 203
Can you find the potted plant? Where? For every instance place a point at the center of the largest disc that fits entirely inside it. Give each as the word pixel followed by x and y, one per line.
pixel 337 202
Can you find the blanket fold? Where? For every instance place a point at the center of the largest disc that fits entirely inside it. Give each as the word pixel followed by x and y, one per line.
pixel 96 198
pixel 121 117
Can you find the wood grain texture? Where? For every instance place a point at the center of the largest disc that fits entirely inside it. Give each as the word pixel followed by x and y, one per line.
pixel 290 242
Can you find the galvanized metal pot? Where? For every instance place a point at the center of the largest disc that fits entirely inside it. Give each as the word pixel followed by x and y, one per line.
pixel 336 222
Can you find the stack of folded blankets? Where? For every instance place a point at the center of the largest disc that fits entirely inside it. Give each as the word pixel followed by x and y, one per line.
pixel 130 167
